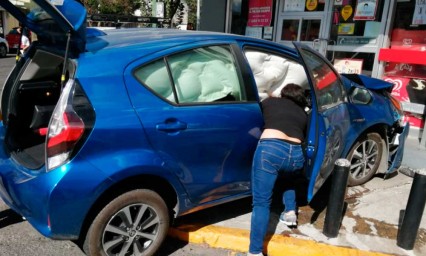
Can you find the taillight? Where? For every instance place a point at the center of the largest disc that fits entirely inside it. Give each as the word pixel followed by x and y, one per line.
pixel 68 125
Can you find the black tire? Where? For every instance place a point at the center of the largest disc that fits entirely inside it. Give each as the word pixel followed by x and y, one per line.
pixel 3 51
pixel 142 234
pixel 365 157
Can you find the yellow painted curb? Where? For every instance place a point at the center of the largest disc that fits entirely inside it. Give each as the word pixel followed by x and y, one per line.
pixel 277 245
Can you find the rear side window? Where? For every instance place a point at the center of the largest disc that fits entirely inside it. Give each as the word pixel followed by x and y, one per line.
pixel 201 75
pixel 156 77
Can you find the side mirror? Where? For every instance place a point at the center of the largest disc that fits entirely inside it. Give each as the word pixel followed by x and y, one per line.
pixel 360 96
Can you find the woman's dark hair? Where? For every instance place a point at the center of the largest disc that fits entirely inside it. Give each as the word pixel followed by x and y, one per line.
pixel 295 93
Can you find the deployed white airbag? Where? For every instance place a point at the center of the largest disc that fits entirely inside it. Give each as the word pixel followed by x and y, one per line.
pixel 272 73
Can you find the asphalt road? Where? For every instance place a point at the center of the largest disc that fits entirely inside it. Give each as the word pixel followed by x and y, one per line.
pixel 19 238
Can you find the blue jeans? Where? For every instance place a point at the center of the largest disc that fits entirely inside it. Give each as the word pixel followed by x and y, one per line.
pixel 271 158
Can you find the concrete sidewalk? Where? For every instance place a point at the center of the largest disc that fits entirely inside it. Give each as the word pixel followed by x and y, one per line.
pixel 369 226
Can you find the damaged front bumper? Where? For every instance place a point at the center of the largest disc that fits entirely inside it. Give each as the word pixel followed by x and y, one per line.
pixel 396 149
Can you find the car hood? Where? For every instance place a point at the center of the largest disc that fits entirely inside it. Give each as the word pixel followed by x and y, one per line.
pixel 52 20
pixel 368 82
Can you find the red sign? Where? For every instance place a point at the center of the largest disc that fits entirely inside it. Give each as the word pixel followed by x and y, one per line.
pixel 409 91
pixel 260 13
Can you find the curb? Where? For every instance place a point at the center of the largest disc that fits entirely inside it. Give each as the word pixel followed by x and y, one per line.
pixel 278 245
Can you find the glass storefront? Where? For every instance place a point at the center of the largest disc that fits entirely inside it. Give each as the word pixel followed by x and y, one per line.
pixel 347 32
pixel 253 18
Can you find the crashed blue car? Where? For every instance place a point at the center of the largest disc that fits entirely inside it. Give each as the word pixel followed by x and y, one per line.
pixel 107 136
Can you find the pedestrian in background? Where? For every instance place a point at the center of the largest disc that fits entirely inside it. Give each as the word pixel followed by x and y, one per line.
pixel 25 41
pixel 279 150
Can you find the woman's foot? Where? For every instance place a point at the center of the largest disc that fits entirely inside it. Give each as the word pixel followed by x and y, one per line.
pixel 257 254
pixel 289 218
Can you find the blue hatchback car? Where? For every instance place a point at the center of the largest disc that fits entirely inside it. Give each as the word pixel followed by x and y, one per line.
pixel 108 136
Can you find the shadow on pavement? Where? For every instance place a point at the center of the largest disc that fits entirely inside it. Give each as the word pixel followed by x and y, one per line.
pixel 217 213
pixel 170 245
pixel 9 217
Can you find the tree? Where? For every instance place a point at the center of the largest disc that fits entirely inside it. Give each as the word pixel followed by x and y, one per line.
pixel 122 7
pixel 192 11
pixel 170 7
pixel 180 14
pixel 128 7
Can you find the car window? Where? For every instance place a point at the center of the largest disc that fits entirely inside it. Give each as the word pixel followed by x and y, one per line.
pixel 156 77
pixel 273 71
pixel 201 75
pixel 205 74
pixel 328 88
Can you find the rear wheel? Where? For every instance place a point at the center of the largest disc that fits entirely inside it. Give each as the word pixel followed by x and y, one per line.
pixel 365 157
pixel 134 223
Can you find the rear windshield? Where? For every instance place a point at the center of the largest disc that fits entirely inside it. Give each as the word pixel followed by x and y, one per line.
pixel 33 11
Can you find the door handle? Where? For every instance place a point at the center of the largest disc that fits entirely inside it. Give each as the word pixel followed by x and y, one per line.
pixel 171 125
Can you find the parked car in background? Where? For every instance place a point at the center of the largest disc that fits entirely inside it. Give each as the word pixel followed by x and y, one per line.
pixel 4 47
pixel 14 38
pixel 109 152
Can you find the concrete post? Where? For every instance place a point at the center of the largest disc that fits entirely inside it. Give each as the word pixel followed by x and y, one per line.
pixel 413 212
pixel 336 199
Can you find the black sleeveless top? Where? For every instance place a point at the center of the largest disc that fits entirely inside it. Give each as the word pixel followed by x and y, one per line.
pixel 285 115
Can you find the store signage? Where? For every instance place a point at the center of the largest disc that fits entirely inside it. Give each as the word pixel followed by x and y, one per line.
pixel 365 10
pixel 419 16
pixel 294 6
pixel 260 13
pixel 311 5
pixel 346 12
pixel 351 40
pixel 348 66
pixel 412 95
pixel 346 29
pixel 267 33
pixel 255 32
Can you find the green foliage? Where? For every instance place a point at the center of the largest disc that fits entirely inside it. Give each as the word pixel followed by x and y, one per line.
pixel 192 11
pixel 122 7
pixel 128 7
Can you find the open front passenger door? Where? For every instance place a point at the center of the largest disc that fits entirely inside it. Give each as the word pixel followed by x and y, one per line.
pixel 329 121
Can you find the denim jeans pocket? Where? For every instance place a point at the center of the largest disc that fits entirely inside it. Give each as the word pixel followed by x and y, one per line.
pixel 298 160
pixel 298 163
pixel 272 162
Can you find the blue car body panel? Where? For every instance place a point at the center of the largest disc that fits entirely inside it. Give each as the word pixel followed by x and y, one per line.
pixel 202 151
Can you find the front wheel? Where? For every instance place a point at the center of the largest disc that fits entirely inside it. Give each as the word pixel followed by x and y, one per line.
pixel 365 157
pixel 3 51
pixel 134 223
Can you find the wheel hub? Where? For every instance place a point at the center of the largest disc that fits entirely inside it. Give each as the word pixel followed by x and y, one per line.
pixel 132 233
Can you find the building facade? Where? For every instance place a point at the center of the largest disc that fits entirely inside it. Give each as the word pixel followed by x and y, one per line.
pixel 380 38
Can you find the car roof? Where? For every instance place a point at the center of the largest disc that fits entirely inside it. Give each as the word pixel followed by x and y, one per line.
pixel 127 45
pixel 150 38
